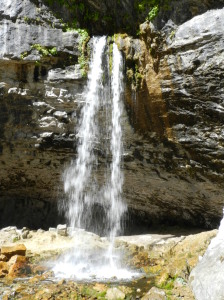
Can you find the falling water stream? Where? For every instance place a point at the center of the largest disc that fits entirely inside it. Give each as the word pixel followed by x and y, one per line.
pixel 84 192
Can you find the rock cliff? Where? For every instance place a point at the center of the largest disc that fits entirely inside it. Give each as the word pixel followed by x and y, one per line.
pixel 178 105
pixel 173 128
pixel 41 84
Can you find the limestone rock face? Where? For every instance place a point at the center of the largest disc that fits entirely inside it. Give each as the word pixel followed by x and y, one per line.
pixel 178 109
pixel 39 93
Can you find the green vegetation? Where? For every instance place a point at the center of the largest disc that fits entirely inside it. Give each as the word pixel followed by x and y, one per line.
pixel 152 6
pixel 111 57
pixel 168 284
pixel 83 58
pixel 93 294
pixel 15 239
pixel 153 13
pixel 172 34
pixel 23 55
pixel 29 21
pixel 135 76
pixel 77 8
pixel 45 51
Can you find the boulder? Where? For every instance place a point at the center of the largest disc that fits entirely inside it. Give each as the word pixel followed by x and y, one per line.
pixel 18 267
pixel 207 278
pixel 17 259
pixel 10 251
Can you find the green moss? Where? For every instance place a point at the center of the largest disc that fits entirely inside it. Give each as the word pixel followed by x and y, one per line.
pixel 53 51
pixel 168 285
pixel 45 51
pixel 84 56
pixel 15 239
pixel 152 6
pixel 23 55
pixel 27 20
pixel 89 292
pixel 172 34
pixel 153 13
pixel 111 57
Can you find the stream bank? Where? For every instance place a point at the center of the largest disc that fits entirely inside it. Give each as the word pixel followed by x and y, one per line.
pixel 163 260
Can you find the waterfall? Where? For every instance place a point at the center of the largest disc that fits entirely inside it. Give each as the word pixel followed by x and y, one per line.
pixel 78 176
pixel 85 190
pixel 117 207
pixel 79 184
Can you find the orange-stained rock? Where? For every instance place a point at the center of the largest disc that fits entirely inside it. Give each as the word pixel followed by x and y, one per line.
pixel 10 251
pixel 16 259
pixel 19 269
pixel 3 269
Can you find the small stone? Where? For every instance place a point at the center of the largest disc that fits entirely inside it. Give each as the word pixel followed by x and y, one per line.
pixel 52 229
pixel 25 229
pixel 155 294
pixel 61 282
pixel 35 279
pixel 10 251
pixel 100 287
pixel 24 234
pixel 62 230
pixel 60 115
pixel 29 236
pixel 114 294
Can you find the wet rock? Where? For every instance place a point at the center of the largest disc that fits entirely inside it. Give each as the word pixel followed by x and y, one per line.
pixel 10 251
pixel 18 266
pixel 155 294
pixel 114 294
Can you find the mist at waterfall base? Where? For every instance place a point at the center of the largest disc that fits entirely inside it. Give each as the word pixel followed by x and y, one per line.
pixel 95 258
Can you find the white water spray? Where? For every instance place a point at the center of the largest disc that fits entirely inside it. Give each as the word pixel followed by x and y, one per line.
pixel 77 178
pixel 80 182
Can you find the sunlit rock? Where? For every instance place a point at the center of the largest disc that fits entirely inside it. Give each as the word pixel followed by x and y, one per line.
pixel 207 277
pixel 62 230
pixel 10 251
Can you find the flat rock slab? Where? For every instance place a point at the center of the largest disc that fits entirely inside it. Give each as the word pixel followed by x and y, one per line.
pixel 10 251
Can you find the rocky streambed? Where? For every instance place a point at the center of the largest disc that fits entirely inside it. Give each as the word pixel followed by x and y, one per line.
pixel 163 262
